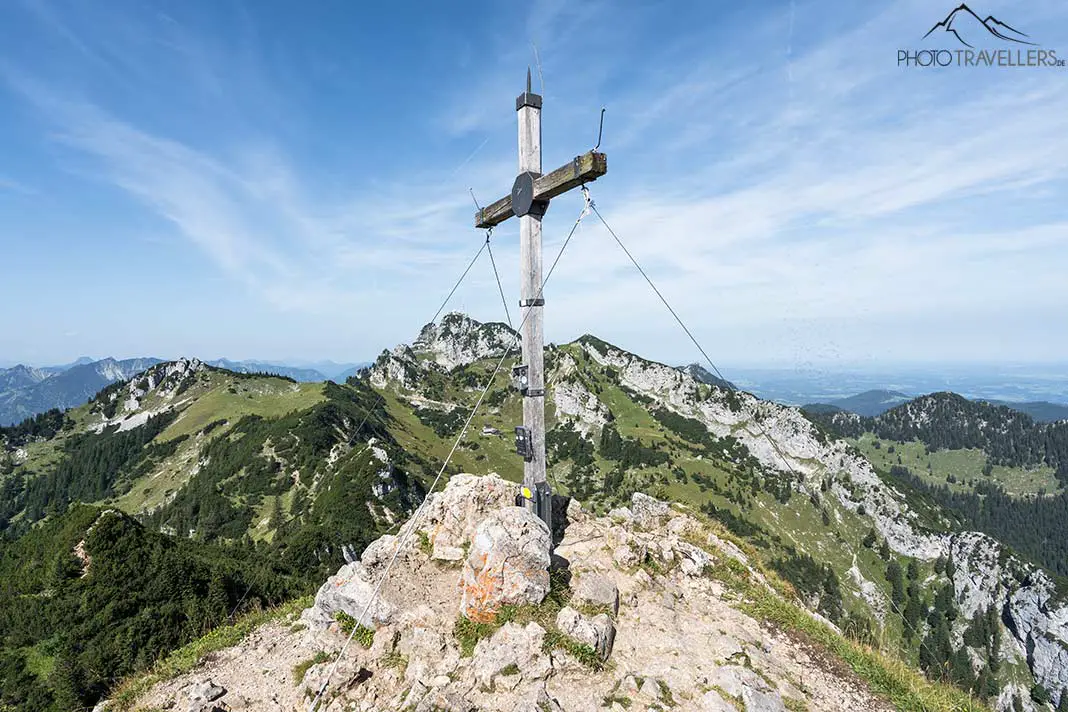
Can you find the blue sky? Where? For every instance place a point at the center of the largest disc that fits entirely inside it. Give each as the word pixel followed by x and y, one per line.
pixel 283 180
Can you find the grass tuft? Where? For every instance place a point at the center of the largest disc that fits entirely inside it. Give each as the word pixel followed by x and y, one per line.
pixel 364 636
pixel 301 668
pixel 468 633
pixel 424 543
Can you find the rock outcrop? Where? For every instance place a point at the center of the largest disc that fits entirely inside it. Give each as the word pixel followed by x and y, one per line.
pixel 456 341
pixel 508 564
pixel 670 637
pixel 350 591
pixel 985 577
pixel 797 447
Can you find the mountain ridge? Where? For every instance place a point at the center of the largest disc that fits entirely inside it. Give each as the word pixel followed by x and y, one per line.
pixel 875 402
pixel 312 473
pixel 64 389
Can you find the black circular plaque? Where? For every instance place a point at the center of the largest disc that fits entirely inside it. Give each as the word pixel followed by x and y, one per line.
pixel 522 194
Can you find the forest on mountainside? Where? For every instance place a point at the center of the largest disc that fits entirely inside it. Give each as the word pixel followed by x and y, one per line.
pixel 1036 527
pixel 73 620
pixel 79 610
pixel 947 421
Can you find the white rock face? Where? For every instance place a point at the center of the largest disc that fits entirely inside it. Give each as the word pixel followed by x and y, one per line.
pixel 753 690
pixel 459 340
pixel 160 384
pixel 873 595
pixel 508 563
pixel 574 401
pixel 349 591
pixel 456 341
pixel 755 422
pixel 451 516
pixel 598 631
pixel 648 512
pixel 512 645
pixel 1025 597
pixel 202 695
pixel 596 590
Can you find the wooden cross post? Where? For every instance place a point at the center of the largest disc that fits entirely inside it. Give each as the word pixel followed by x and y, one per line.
pixel 529 200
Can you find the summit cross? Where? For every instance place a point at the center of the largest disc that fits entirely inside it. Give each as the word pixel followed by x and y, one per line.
pixel 528 201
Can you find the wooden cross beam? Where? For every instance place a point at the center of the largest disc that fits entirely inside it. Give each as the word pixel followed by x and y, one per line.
pixel 529 200
pixel 582 169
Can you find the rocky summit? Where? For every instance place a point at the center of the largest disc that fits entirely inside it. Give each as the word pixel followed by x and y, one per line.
pixel 711 522
pixel 641 610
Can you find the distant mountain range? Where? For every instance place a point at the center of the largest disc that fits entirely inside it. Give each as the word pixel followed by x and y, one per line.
pixel 306 375
pixel 311 372
pixel 868 403
pixel 26 391
pixel 876 402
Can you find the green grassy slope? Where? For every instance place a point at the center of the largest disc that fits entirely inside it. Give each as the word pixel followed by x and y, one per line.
pixel 960 470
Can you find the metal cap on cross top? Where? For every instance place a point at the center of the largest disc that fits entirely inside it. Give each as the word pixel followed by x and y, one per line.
pixel 529 199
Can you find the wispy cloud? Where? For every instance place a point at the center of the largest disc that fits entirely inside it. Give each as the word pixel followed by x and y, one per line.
pixel 784 171
pixel 13 186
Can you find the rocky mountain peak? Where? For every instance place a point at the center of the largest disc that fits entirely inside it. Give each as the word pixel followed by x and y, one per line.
pixel 131 403
pixel 456 340
pixel 702 374
pixel 468 619
pixel 459 340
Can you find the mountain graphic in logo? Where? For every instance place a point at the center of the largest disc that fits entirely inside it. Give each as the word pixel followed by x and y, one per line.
pixel 965 25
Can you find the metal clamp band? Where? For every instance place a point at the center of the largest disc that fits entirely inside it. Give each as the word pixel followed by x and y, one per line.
pixel 534 392
pixel 539 302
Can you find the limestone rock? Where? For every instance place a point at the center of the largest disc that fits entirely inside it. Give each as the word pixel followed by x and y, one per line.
pixel 712 701
pixel 582 407
pixel 508 563
pixel 596 590
pixel 203 694
pixel 692 559
pixel 647 511
pixel 428 653
pixel 625 557
pixel 598 632
pixel 451 516
pixel 1037 625
pixel 511 645
pixel 445 701
pixel 740 682
pixel 349 591
pixel 378 553
pixel 575 512
pixel 650 688
pixel 537 699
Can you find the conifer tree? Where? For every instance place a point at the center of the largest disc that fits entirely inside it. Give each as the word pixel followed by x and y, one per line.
pixel 277 518
pixel 897 584
pixel 884 551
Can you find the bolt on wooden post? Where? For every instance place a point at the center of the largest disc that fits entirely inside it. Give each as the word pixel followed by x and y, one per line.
pixel 528 201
